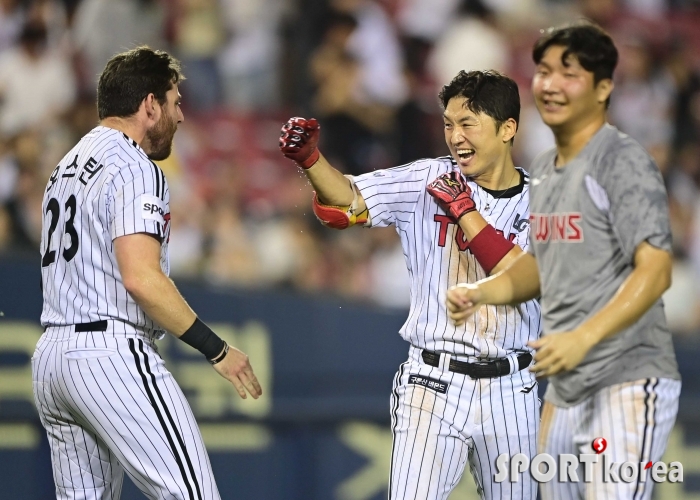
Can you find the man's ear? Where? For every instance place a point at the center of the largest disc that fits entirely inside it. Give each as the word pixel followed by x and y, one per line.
pixel 603 89
pixel 508 130
pixel 152 107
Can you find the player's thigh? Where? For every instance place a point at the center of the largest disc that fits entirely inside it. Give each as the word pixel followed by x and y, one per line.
pixel 506 416
pixel 122 390
pixel 429 452
pixel 561 431
pixel 83 466
pixel 635 419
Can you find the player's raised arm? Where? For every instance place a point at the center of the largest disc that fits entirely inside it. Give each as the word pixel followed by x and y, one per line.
pixel 138 258
pixel 336 203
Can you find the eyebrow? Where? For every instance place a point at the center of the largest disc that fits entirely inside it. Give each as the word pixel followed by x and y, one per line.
pixel 463 119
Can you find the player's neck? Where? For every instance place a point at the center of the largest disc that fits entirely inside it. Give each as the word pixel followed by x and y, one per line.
pixel 571 140
pixel 500 177
pixel 127 126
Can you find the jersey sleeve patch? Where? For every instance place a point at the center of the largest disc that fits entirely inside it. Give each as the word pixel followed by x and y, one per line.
pixel 152 208
pixel 597 194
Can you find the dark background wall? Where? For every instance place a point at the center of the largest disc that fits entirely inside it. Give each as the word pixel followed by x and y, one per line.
pixel 321 431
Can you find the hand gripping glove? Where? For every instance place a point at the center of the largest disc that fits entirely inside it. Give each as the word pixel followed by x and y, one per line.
pixel 453 194
pixel 299 139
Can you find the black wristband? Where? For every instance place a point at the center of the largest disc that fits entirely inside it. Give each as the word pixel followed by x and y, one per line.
pixel 202 338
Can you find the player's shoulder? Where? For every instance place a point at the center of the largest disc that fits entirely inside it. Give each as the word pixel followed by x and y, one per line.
pixel 621 155
pixel 542 161
pixel 120 153
pixel 417 170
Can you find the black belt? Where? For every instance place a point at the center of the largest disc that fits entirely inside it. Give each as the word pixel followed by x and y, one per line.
pixel 482 369
pixel 95 326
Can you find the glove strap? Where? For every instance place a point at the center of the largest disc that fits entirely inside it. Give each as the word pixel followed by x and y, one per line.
pixel 311 160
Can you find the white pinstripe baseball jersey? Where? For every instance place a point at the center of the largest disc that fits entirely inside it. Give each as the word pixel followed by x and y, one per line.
pixel 105 187
pixel 434 248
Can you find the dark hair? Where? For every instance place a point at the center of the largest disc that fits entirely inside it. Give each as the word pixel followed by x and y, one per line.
pixel 130 76
pixel 588 42
pixel 488 92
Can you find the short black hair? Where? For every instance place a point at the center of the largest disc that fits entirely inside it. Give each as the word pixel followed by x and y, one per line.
pixel 488 92
pixel 588 42
pixel 130 76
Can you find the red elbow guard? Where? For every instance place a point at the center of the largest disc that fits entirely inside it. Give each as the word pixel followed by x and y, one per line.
pixel 337 217
pixel 489 247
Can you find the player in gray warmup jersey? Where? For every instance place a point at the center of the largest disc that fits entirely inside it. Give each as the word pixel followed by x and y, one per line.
pixel 601 259
pixel 463 396
pixel 104 396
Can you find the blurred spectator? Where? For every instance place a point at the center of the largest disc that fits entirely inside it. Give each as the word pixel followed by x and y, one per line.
pixel 11 21
pixel 352 125
pixel 240 212
pixel 641 103
pixel 475 28
pixel 250 60
pixel 24 208
pixel 426 19
pixel 101 28
pixel 376 48
pixel 199 36
pixel 36 82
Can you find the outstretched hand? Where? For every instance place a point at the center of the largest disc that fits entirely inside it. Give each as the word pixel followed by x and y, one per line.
pixel 299 141
pixel 453 194
pixel 236 368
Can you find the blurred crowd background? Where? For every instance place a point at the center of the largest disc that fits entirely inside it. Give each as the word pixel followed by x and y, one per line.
pixel 370 71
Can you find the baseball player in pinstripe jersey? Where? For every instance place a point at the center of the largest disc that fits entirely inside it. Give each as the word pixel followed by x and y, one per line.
pixel 463 396
pixel 104 396
pixel 601 259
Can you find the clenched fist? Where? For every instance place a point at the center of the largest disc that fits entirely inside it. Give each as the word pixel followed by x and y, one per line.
pixel 299 140
pixel 453 194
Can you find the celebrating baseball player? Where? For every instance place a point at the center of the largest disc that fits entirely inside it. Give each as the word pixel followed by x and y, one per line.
pixel 600 259
pixel 463 396
pixel 104 396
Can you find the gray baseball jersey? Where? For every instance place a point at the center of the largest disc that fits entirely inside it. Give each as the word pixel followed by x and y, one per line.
pixel 587 219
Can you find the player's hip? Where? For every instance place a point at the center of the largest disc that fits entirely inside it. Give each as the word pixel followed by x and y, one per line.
pixel 60 329
pixel 443 373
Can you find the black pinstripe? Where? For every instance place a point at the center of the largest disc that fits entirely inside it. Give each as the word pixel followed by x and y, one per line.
pixel 178 437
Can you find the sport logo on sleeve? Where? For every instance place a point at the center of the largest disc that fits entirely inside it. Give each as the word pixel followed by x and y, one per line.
pixel 430 383
pixel 152 208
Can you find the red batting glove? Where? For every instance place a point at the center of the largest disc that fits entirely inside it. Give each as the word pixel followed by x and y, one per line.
pixel 453 194
pixel 298 141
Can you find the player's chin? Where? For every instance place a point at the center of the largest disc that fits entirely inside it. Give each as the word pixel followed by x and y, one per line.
pixel 161 153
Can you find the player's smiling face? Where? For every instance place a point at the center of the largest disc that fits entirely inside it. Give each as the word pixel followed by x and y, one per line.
pixel 564 91
pixel 475 142
pixel 158 142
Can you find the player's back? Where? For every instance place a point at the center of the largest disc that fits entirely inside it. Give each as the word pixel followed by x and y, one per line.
pixel 103 188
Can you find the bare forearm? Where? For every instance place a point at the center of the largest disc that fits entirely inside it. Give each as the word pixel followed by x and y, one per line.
pixel 519 281
pixel 332 187
pixel 157 295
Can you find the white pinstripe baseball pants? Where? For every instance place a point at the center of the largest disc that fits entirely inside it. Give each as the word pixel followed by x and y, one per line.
pixel 474 420
pixel 636 419
pixel 108 404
